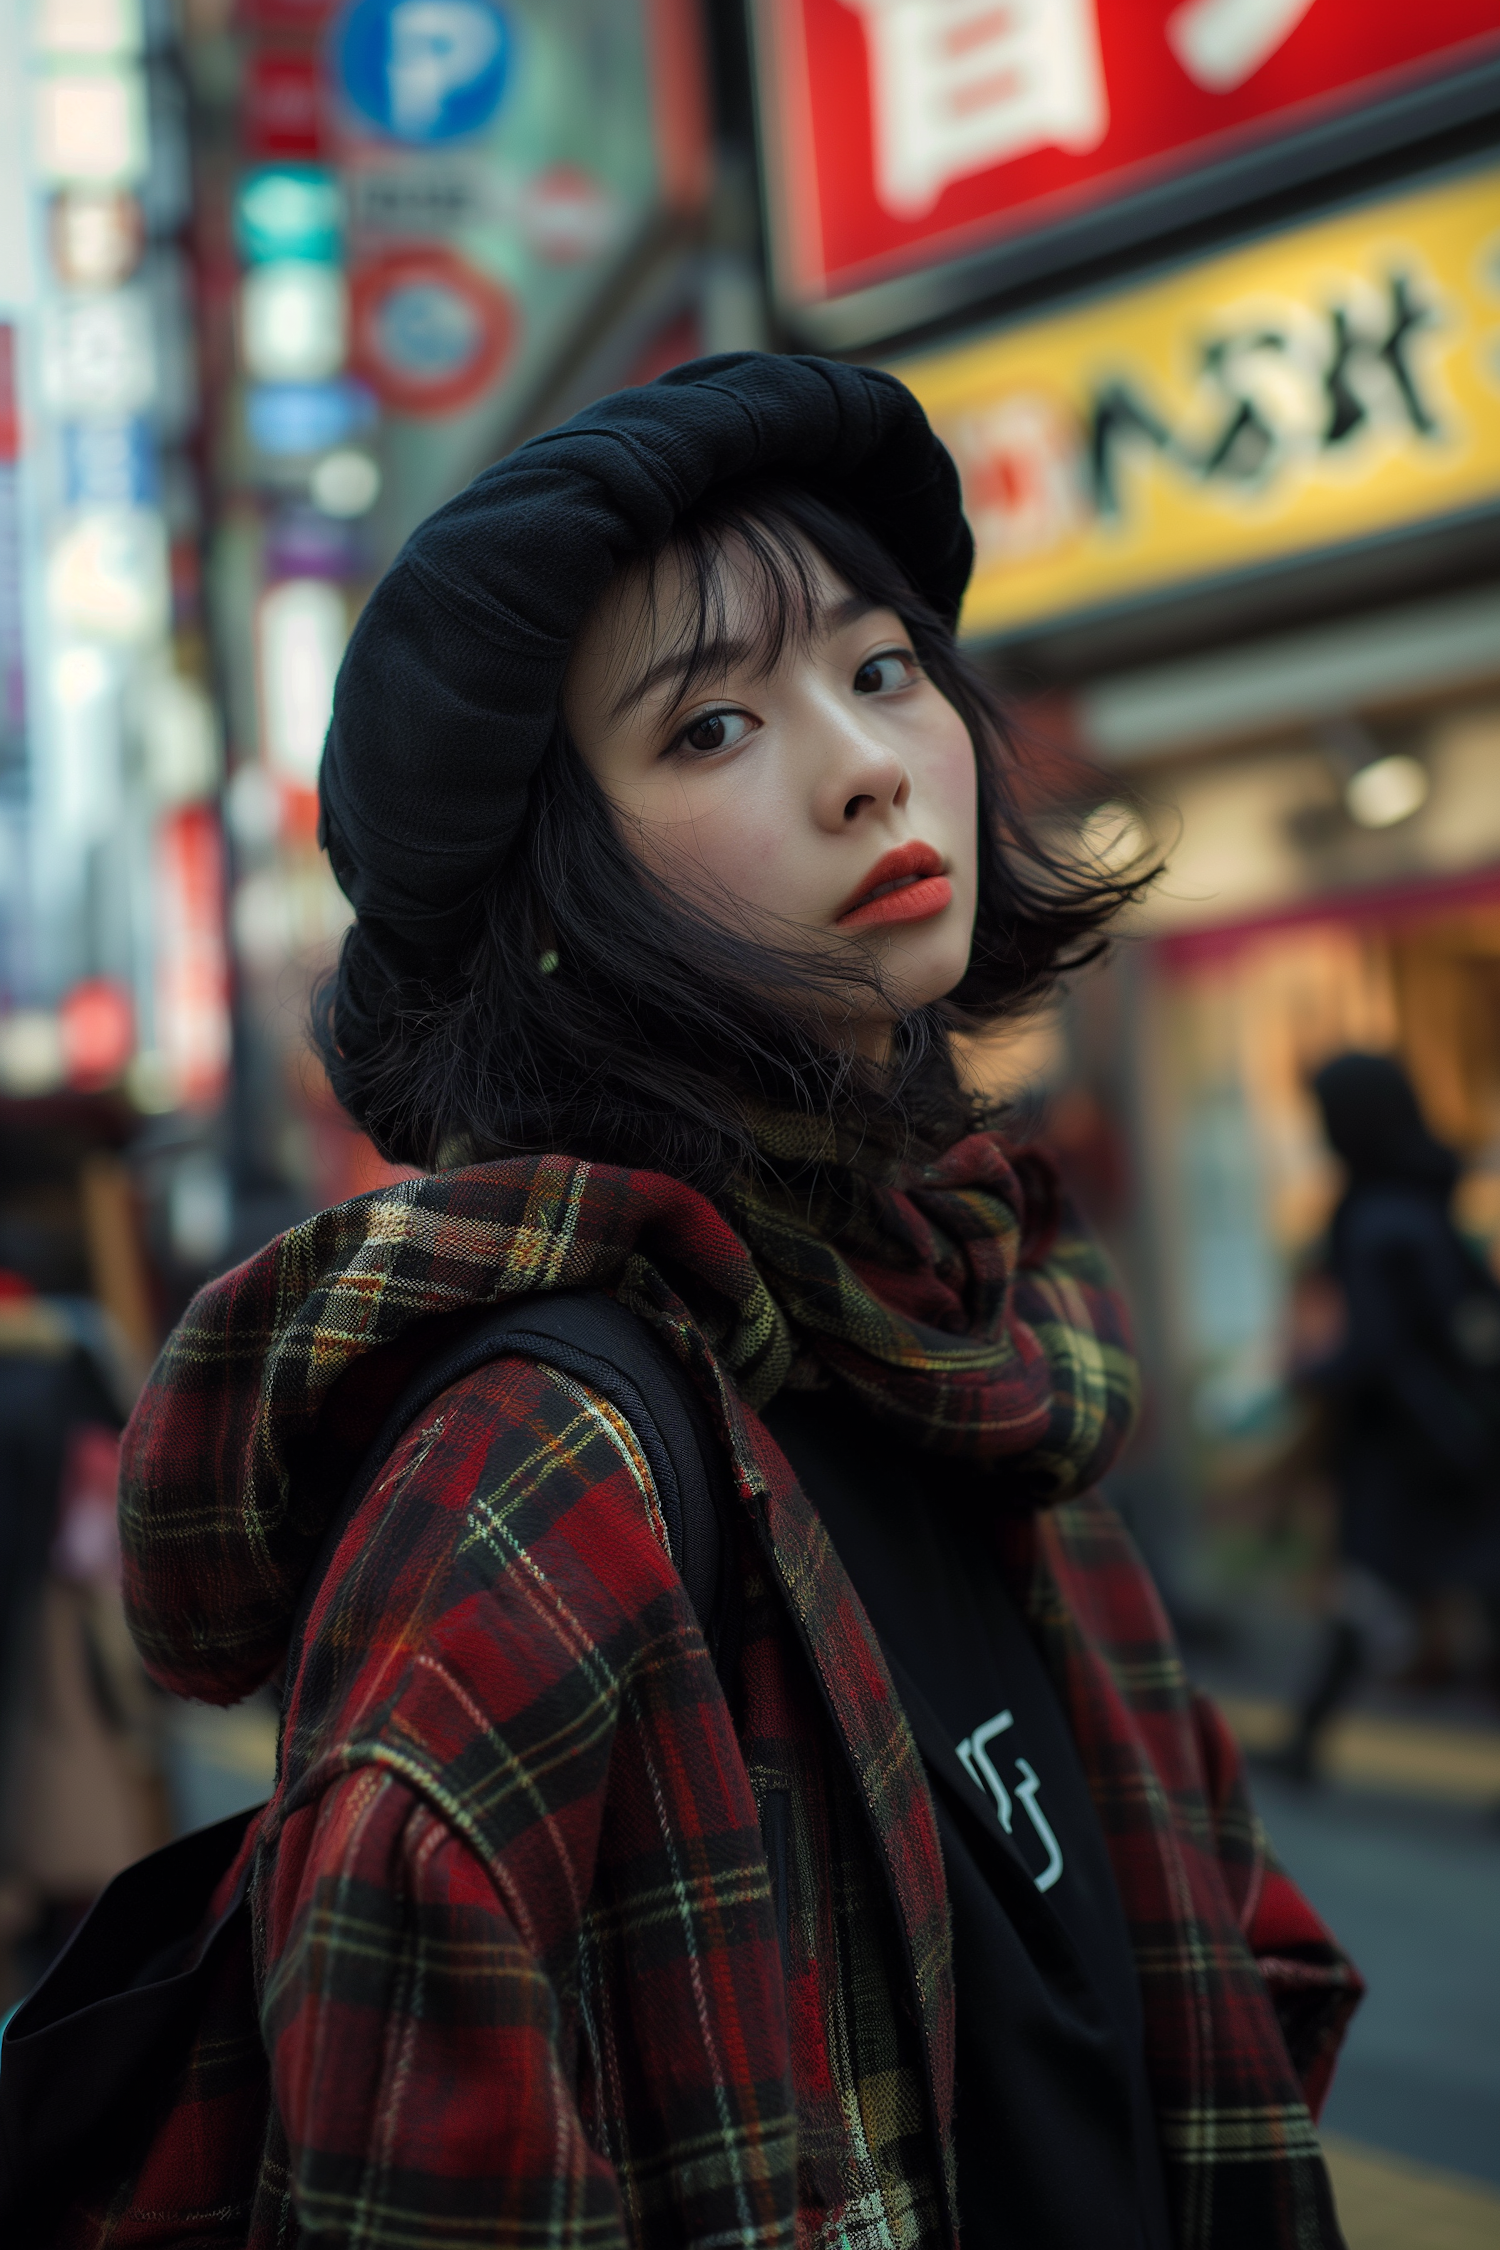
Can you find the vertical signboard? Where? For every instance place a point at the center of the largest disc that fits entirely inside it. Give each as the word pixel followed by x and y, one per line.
pixel 15 887
pixel 106 731
pixel 431 205
pixel 192 978
pixel 12 622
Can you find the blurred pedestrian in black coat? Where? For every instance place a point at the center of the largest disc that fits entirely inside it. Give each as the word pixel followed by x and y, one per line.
pixel 1415 1381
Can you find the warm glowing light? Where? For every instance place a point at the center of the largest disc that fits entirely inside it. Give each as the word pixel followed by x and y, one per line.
pixel 294 321
pixel 1113 837
pixel 346 483
pixel 108 575
pixel 97 1021
pixel 303 627
pixel 31 1052
pixel 98 235
pixel 91 126
pixel 1391 789
pixel 180 738
pixel 88 27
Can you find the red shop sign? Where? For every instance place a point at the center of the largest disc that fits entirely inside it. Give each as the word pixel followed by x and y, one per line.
pixel 283 104
pixel 192 968
pixel 431 335
pixel 906 134
pixel 97 1020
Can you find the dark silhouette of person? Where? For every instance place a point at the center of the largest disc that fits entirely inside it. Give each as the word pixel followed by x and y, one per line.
pixel 1414 1383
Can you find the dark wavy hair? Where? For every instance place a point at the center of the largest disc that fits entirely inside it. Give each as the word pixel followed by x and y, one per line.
pixel 596 1012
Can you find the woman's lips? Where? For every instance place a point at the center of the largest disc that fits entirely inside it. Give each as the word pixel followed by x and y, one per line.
pixel 907 885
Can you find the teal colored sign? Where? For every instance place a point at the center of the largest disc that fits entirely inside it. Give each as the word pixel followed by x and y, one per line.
pixel 289 211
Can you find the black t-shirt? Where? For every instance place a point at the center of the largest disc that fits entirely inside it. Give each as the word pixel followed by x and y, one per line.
pixel 1054 2129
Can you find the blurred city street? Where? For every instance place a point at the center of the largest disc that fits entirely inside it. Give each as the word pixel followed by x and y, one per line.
pixel 1203 299
pixel 1410 1887
pixel 1398 1847
pixel 1404 1864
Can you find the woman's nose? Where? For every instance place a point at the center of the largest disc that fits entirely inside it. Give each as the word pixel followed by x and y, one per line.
pixel 859 774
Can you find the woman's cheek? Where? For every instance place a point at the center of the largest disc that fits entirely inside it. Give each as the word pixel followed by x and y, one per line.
pixel 939 742
pixel 724 834
pixel 953 780
pixel 747 855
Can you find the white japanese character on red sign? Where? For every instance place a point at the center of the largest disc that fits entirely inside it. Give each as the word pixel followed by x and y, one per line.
pixel 1221 43
pixel 960 85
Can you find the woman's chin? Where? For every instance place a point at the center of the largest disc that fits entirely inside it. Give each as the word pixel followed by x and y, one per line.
pixel 920 964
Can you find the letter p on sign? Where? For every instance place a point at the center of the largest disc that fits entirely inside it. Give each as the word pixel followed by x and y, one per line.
pixel 425 70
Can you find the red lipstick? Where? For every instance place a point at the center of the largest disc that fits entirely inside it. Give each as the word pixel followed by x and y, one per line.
pixel 905 885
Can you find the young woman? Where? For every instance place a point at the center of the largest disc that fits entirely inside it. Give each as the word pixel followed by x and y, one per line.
pixel 682 840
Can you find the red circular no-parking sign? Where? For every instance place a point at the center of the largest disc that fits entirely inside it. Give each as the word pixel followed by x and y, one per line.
pixel 431 335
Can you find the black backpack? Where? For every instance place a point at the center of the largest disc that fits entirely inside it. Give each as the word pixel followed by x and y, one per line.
pixel 88 2057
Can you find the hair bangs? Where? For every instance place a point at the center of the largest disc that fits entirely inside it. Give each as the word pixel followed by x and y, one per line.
pixel 729 588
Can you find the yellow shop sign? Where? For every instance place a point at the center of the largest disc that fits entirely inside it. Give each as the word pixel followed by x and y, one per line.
pixel 1314 388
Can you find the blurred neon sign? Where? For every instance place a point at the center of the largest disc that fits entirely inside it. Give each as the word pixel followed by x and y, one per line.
pixel 1316 388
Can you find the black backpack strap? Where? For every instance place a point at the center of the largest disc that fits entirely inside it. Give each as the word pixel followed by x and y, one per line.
pixel 593 1338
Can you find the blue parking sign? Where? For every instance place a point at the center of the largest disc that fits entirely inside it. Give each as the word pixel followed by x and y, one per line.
pixel 424 70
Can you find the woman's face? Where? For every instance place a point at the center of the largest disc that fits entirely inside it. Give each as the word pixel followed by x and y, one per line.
pixel 832 795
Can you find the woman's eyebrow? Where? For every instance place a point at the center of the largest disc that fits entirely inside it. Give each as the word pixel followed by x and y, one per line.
pixel 720 654
pixel 725 651
pixel 834 616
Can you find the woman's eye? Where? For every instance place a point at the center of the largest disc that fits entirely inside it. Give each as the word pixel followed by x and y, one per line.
pixel 715 730
pixel 893 668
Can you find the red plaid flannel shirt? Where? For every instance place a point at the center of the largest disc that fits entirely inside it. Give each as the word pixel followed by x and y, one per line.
pixel 518 1967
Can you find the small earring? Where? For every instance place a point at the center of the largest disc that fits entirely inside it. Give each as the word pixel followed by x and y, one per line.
pixel 548 962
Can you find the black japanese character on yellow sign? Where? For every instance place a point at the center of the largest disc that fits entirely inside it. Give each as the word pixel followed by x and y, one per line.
pixel 1275 395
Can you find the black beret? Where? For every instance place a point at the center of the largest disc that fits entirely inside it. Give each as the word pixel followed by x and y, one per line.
pixel 449 689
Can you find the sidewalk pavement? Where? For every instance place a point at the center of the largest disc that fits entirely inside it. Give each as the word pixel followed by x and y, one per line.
pixel 1459 1765
pixel 1389 2203
pixel 1398 1847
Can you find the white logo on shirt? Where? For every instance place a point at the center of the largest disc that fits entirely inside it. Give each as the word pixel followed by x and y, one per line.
pixel 983 1772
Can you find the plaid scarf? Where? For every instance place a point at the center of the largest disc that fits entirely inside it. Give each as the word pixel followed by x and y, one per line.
pixel 958 1299
pixel 974 1317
